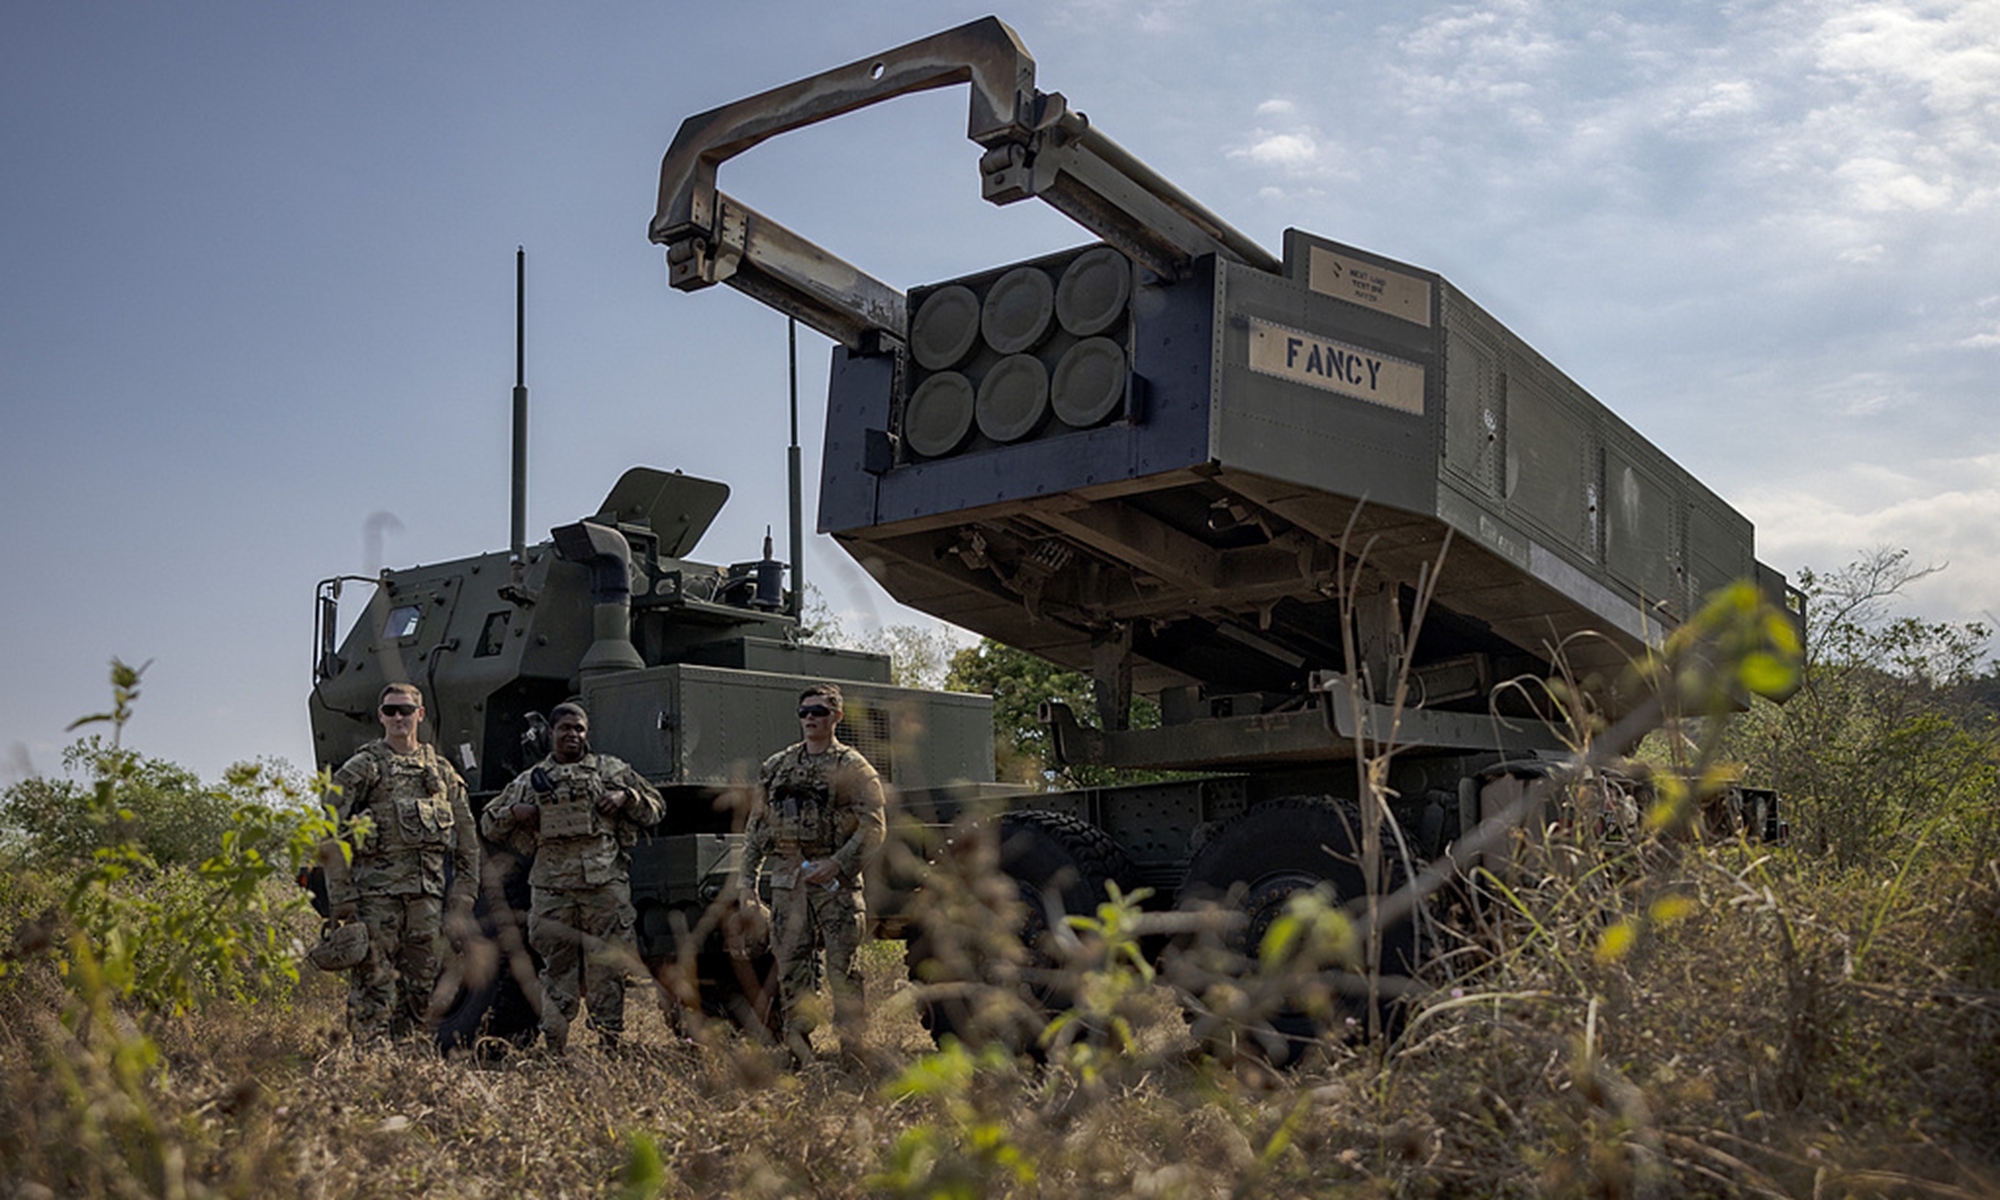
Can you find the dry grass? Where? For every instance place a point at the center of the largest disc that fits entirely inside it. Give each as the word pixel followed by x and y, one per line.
pixel 1750 1045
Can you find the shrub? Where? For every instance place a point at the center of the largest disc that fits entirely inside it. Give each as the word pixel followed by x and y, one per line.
pixel 170 892
pixel 1886 745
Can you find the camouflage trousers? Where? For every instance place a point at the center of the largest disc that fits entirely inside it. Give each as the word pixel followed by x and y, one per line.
pixel 389 994
pixel 584 937
pixel 803 920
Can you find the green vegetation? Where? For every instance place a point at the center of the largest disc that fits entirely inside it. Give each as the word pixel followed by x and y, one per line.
pixel 1889 745
pixel 1620 1011
pixel 128 902
pixel 919 655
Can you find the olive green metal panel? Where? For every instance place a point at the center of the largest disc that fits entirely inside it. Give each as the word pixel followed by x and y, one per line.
pixel 677 508
pixel 1549 462
pixel 777 656
pixel 1641 541
pixel 1475 412
pixel 1718 548
pixel 1321 392
pixel 673 867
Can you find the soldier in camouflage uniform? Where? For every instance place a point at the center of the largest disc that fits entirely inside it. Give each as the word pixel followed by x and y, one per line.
pixel 578 814
pixel 818 820
pixel 417 815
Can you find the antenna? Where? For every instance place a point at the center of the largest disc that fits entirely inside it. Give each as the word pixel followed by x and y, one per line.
pixel 798 533
pixel 518 546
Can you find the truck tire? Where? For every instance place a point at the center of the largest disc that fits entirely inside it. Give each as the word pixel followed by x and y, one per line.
pixel 1255 865
pixel 494 1006
pixel 744 991
pixel 1053 859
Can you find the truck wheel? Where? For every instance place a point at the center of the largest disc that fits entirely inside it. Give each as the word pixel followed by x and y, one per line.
pixel 491 1003
pixel 494 1008
pixel 1255 865
pixel 744 991
pixel 986 994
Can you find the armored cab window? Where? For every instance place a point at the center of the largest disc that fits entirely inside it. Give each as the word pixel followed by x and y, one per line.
pixel 493 635
pixel 402 622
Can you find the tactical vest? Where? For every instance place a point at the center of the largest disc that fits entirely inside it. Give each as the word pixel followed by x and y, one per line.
pixel 410 803
pixel 569 807
pixel 802 810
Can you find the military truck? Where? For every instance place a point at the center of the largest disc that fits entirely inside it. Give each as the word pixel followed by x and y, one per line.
pixel 690 672
pixel 1318 504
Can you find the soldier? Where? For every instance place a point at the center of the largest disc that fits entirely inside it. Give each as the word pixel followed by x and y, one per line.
pixel 417 815
pixel 578 814
pixel 818 820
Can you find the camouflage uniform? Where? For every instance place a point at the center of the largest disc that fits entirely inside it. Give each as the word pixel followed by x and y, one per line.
pixel 581 913
pixel 416 805
pixel 816 808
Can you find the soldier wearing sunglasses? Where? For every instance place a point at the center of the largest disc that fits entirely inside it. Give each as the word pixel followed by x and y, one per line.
pixel 817 820
pixel 416 817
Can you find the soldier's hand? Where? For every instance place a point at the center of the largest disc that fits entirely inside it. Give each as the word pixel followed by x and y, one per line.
pixel 346 910
pixel 612 801
pixel 459 923
pixel 528 816
pixel 822 873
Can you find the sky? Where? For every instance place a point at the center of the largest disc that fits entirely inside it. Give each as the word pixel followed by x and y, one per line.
pixel 257 275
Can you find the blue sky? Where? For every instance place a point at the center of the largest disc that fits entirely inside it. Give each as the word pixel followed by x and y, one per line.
pixel 256 274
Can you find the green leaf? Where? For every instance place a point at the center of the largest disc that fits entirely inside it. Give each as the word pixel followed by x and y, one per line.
pixel 644 1175
pixel 1767 674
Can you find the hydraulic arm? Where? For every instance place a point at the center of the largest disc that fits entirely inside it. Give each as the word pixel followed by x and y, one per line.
pixel 1034 145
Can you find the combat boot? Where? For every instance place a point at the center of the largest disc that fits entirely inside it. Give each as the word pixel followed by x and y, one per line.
pixel 797 1047
pixel 555 1030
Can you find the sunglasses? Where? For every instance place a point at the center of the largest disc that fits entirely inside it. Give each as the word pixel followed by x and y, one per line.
pixel 398 710
pixel 814 710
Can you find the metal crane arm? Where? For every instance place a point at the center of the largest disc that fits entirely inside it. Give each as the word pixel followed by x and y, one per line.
pixel 1034 146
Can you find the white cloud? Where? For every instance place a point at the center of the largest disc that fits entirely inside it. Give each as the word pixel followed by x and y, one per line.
pixel 1880 185
pixel 1152 17
pixel 1491 46
pixel 1912 102
pixel 1292 151
pixel 1987 337
pixel 1721 100
pixel 1939 509
pixel 1950 58
pixel 1779 217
